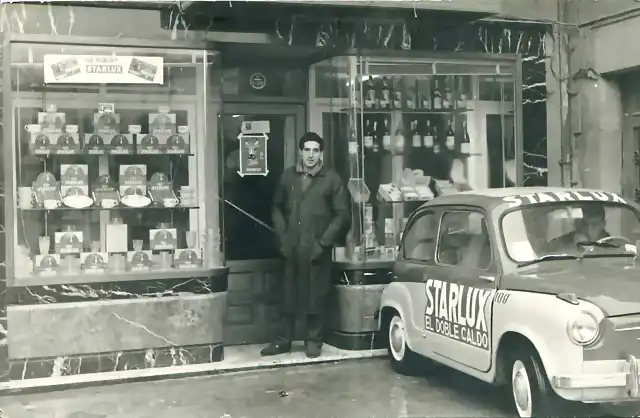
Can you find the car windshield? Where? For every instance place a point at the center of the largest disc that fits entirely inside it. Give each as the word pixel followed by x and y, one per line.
pixel 569 229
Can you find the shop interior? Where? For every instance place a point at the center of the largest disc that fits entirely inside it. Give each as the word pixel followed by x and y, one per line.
pixel 126 181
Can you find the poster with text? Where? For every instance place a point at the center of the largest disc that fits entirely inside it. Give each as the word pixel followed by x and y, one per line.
pixel 102 69
pixel 253 155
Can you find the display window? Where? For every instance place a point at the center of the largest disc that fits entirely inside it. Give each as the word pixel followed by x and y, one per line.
pixel 405 130
pixel 108 168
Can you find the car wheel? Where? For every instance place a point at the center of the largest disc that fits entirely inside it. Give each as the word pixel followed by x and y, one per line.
pixel 403 360
pixel 532 396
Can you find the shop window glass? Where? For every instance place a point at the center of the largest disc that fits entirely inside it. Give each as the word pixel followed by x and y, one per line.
pixel 413 129
pixel 108 152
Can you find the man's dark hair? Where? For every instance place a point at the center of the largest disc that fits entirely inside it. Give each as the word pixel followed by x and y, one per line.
pixel 593 210
pixel 311 136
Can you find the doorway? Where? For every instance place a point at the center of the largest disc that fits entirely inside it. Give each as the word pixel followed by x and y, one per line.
pixel 250 243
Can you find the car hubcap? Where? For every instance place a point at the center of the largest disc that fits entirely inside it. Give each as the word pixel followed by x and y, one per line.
pixel 396 338
pixel 521 389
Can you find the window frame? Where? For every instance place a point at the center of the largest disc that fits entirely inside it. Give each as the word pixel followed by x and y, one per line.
pixel 494 261
pixel 430 211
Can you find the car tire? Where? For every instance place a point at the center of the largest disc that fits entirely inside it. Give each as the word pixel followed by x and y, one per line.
pixel 531 393
pixel 403 360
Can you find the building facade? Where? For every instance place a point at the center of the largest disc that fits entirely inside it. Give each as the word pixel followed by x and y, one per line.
pixel 141 151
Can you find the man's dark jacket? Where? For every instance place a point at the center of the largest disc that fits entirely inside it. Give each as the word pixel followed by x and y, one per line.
pixel 309 220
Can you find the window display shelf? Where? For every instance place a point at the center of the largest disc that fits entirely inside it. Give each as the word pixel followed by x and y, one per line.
pixel 62 277
pixel 108 168
pixel 119 207
pixel 407 130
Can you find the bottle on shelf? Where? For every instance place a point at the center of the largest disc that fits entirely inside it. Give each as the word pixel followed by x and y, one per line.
pixel 385 94
pixel 368 133
pixel 450 136
pixel 462 94
pixel 410 92
pixel 386 134
pixel 436 95
pixel 374 134
pixel 397 93
pixel 429 135
pixel 415 134
pixel 447 99
pixel 424 94
pixel 369 93
pixel 465 145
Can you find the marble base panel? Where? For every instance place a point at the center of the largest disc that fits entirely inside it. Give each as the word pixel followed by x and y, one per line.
pixel 137 289
pixel 21 369
pixel 68 329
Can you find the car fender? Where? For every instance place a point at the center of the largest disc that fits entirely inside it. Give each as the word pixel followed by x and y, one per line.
pixel 542 319
pixel 397 296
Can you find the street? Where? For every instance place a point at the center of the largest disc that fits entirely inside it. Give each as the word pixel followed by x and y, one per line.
pixel 350 389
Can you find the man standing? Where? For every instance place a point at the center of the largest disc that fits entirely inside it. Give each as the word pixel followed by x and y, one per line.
pixel 310 212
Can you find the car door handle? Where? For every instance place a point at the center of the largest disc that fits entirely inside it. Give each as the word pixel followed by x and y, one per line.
pixel 487 278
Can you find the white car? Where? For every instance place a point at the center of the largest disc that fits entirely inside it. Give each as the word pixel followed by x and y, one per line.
pixel 534 288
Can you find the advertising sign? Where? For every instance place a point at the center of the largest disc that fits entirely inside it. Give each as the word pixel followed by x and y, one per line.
pixel 253 154
pixel 102 69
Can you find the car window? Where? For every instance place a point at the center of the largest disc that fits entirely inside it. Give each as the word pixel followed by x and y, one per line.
pixel 464 240
pixel 420 240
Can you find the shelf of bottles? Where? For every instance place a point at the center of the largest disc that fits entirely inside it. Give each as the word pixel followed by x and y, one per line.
pixel 406 132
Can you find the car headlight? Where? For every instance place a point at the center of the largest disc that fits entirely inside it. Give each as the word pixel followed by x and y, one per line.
pixel 583 329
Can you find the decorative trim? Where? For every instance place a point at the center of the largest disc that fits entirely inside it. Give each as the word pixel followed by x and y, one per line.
pixel 21 369
pixel 140 289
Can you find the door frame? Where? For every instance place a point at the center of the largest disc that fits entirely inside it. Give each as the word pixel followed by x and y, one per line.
pixel 272 109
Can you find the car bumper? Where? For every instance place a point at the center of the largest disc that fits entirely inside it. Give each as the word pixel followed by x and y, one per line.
pixel 621 383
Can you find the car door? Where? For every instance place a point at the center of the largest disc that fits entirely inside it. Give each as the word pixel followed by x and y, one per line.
pixel 416 254
pixel 461 287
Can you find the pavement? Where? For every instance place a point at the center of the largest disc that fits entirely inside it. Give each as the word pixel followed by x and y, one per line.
pixel 367 388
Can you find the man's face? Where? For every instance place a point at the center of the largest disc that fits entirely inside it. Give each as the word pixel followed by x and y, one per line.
pixel 311 154
pixel 592 226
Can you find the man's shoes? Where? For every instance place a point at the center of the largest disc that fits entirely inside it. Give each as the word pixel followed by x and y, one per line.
pixel 314 349
pixel 274 349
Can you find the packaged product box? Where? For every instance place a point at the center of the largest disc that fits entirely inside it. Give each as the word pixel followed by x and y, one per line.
pixel 178 143
pixel 94 262
pixel 188 258
pixel 134 177
pixel 106 120
pixel 74 176
pixel 52 122
pixel 162 122
pixel 47 264
pixel 120 144
pixel 163 239
pixel 104 188
pixel 41 143
pixel 68 242
pixel 140 260
pixel 95 144
pixel 46 187
pixel 151 143
pixel 117 236
pixel 161 189
pixel 67 144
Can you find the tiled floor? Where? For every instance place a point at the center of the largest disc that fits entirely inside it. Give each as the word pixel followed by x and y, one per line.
pixel 236 358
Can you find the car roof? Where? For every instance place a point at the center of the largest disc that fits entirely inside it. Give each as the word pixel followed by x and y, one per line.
pixel 488 198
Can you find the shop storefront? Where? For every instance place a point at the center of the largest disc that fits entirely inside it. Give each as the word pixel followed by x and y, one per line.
pixel 138 176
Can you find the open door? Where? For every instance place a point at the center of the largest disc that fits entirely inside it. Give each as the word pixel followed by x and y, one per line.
pixel 250 243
